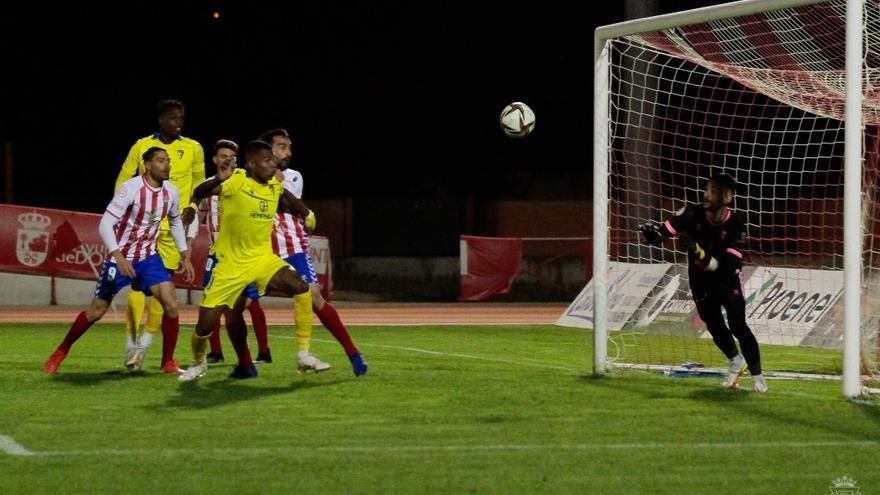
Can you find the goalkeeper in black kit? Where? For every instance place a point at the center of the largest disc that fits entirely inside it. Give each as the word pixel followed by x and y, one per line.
pixel 715 273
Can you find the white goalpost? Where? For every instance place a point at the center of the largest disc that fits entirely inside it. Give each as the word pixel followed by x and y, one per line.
pixel 780 94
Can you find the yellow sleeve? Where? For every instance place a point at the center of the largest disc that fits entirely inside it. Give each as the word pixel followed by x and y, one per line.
pixel 198 170
pixel 233 184
pixel 130 166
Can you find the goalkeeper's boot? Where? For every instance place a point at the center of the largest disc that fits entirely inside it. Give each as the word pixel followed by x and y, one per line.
pixel 305 361
pixel 134 359
pixel 358 365
pixel 734 371
pixel 54 361
pixel 264 357
pixel 244 373
pixel 194 372
pixel 759 383
pixel 214 357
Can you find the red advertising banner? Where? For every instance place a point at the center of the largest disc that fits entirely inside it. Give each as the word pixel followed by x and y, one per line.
pixel 60 243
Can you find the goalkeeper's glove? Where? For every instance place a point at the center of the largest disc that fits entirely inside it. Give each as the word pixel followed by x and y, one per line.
pixel 703 260
pixel 651 233
pixel 310 221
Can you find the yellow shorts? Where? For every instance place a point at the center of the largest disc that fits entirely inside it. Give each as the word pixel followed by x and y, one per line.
pixel 230 277
pixel 168 250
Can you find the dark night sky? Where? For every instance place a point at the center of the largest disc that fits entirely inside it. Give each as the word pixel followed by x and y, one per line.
pixel 396 99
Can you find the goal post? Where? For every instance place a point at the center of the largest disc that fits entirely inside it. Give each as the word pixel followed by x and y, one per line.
pixel 772 92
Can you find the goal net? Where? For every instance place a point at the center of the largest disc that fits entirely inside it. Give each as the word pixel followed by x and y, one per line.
pixel 761 97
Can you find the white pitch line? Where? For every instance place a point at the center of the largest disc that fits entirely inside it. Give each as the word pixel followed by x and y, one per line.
pixel 450 354
pixel 404 449
pixel 9 446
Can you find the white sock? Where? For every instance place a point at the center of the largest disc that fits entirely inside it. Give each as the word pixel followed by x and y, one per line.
pixel 146 340
pixel 129 341
pixel 302 354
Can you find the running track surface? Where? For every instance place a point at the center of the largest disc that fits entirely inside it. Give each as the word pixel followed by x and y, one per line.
pixel 350 313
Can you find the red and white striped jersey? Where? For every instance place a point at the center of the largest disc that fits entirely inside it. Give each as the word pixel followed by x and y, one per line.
pixel 210 209
pixel 289 236
pixel 139 210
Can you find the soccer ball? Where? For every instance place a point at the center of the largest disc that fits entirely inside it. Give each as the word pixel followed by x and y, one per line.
pixel 517 120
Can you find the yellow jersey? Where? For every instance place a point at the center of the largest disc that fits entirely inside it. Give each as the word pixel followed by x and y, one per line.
pixel 187 165
pixel 247 214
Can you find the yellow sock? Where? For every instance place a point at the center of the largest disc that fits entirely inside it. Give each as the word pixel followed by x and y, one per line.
pixel 200 347
pixel 154 315
pixel 302 311
pixel 134 312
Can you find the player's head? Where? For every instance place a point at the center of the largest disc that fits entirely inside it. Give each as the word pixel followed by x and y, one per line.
pixel 280 141
pixel 170 117
pixel 157 163
pixel 260 160
pixel 719 192
pixel 225 153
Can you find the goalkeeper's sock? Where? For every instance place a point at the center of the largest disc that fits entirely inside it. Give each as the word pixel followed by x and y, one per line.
pixel 134 312
pixel 302 312
pixel 154 315
pixel 330 319
pixel 258 318
pixel 214 338
pixel 77 329
pixel 170 329
pixel 238 336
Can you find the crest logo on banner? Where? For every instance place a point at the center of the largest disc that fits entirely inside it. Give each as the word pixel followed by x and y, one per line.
pixel 32 244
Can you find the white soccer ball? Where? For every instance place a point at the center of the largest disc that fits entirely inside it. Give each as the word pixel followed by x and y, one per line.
pixel 517 120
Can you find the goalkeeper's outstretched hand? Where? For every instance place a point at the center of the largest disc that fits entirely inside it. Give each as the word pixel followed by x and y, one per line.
pixel 651 233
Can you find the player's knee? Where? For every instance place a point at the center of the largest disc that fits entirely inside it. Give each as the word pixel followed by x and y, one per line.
pixel 170 306
pixel 317 297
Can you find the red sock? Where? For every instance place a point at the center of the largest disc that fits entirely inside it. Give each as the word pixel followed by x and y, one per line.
pixel 330 319
pixel 238 335
pixel 258 317
pixel 170 329
pixel 79 327
pixel 214 339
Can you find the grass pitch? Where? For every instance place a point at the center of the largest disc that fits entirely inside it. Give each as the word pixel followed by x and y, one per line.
pixel 477 409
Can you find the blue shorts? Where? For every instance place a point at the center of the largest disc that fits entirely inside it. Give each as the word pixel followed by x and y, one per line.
pixel 148 272
pixel 250 291
pixel 303 265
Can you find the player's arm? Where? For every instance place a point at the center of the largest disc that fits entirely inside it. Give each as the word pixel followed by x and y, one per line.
pixel 210 187
pixel 655 233
pixel 129 167
pixel 288 203
pixel 106 228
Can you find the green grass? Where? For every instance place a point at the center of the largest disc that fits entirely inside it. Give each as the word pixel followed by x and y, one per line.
pixel 442 410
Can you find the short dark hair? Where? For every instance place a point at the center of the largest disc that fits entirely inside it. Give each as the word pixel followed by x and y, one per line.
pixel 270 134
pixel 148 155
pixel 254 147
pixel 167 105
pixel 725 181
pixel 225 143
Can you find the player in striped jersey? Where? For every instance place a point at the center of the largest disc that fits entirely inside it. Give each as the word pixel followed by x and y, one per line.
pixel 225 154
pixel 290 241
pixel 129 228
pixel 187 170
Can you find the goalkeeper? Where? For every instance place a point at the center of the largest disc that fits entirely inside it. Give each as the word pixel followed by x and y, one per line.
pixel 714 271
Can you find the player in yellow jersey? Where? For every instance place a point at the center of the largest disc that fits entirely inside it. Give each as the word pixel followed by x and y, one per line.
pixel 243 247
pixel 187 171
